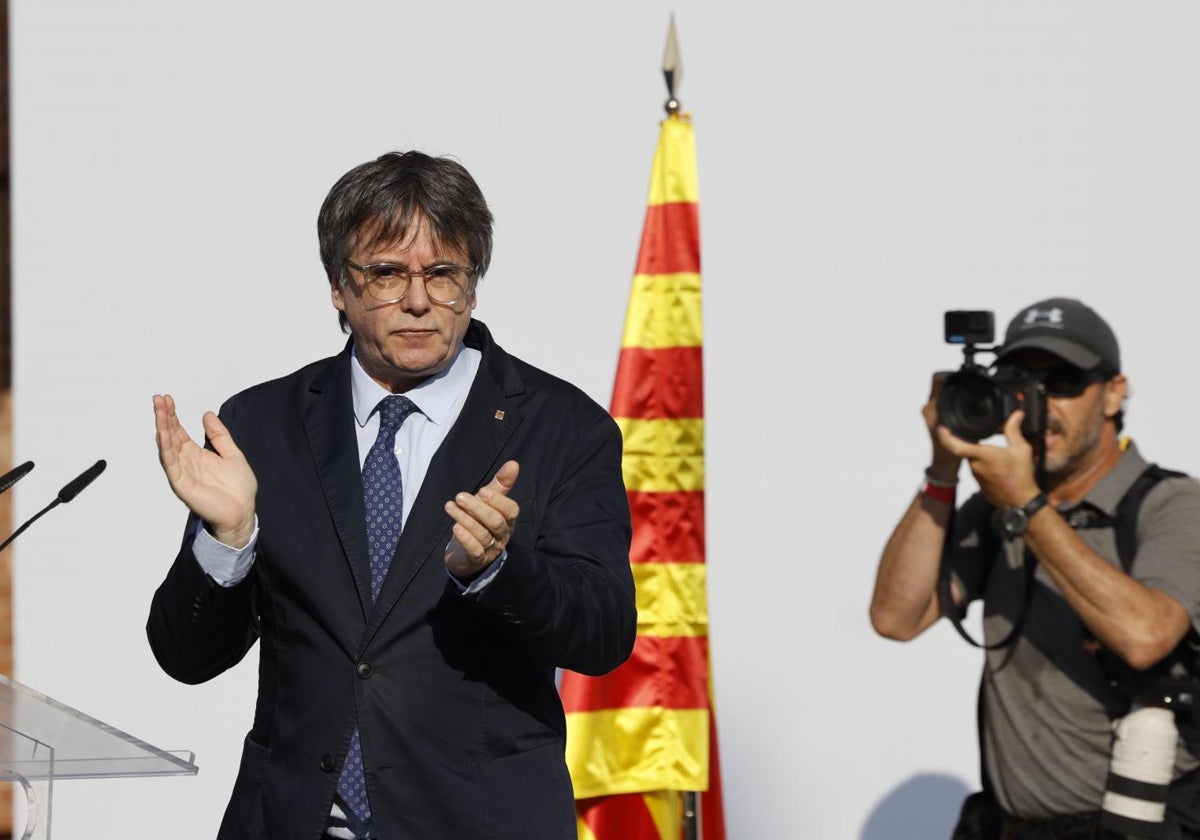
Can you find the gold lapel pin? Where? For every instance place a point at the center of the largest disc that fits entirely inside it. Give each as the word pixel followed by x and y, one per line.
pixel 499 414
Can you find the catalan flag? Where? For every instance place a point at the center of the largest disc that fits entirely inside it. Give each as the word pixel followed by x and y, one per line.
pixel 642 736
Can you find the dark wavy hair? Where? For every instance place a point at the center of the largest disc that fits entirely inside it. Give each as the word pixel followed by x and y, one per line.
pixel 385 198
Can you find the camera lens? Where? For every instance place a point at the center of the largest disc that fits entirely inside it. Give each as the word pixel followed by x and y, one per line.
pixel 1139 772
pixel 972 405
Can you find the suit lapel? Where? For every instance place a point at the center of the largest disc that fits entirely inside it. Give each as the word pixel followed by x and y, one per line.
pixel 329 425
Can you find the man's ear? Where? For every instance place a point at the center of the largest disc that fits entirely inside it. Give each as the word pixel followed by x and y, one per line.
pixel 1115 391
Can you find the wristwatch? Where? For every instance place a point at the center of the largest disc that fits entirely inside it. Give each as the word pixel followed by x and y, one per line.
pixel 1015 520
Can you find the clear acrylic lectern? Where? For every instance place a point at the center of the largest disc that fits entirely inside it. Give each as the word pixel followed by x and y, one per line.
pixel 41 740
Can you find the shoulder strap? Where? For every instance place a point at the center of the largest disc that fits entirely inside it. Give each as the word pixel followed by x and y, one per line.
pixel 1125 520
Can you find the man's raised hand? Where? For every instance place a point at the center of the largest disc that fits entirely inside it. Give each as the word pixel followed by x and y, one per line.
pixel 483 523
pixel 217 485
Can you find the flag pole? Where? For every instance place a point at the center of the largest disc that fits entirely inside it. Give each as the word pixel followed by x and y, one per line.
pixel 672 68
pixel 691 816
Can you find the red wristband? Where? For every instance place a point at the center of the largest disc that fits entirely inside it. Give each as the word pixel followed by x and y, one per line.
pixel 937 493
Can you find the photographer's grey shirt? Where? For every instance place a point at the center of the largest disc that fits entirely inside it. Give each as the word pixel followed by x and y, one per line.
pixel 1048 705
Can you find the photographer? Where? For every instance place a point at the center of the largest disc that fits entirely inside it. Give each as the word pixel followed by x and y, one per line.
pixel 1049 695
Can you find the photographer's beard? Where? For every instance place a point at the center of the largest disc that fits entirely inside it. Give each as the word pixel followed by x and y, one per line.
pixel 1070 451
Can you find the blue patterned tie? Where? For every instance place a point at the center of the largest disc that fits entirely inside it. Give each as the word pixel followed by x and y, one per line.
pixel 383 499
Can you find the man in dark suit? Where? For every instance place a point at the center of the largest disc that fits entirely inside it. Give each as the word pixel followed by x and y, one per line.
pixel 414 567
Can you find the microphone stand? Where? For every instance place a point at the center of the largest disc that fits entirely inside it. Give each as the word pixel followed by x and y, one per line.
pixel 29 522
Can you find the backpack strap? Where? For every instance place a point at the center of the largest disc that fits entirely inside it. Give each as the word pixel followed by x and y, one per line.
pixel 1126 517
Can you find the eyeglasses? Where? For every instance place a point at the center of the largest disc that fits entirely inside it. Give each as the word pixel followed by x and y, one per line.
pixel 389 282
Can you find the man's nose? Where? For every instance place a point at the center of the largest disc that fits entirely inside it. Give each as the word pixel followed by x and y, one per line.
pixel 416 299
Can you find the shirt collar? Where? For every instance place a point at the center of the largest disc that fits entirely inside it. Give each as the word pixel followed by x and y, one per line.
pixel 1106 495
pixel 434 397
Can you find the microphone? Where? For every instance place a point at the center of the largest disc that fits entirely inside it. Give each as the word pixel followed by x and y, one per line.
pixel 14 475
pixel 72 489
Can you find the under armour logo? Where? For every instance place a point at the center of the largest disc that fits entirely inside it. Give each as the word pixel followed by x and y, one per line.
pixel 1047 316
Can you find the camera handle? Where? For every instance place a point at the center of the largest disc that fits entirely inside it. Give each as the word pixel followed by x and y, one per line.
pixel 1034 427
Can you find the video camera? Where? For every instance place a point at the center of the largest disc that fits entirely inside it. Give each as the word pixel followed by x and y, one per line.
pixel 973 402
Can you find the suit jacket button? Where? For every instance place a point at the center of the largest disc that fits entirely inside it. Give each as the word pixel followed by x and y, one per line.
pixel 364 670
pixel 327 763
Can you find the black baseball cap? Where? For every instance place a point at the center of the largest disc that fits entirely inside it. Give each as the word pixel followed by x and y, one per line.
pixel 1067 328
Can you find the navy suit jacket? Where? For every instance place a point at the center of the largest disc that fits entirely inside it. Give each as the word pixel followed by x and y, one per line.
pixel 463 733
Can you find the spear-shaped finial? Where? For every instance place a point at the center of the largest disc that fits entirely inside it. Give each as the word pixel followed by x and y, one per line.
pixel 672 69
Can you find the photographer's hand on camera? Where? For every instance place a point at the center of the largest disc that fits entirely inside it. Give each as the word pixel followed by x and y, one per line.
pixel 1005 473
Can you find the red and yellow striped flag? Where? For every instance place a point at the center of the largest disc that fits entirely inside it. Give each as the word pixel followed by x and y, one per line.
pixel 641 736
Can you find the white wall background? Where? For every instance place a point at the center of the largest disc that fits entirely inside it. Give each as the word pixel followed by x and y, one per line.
pixel 864 165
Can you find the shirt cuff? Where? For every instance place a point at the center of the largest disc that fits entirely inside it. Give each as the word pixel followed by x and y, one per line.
pixel 480 583
pixel 226 565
